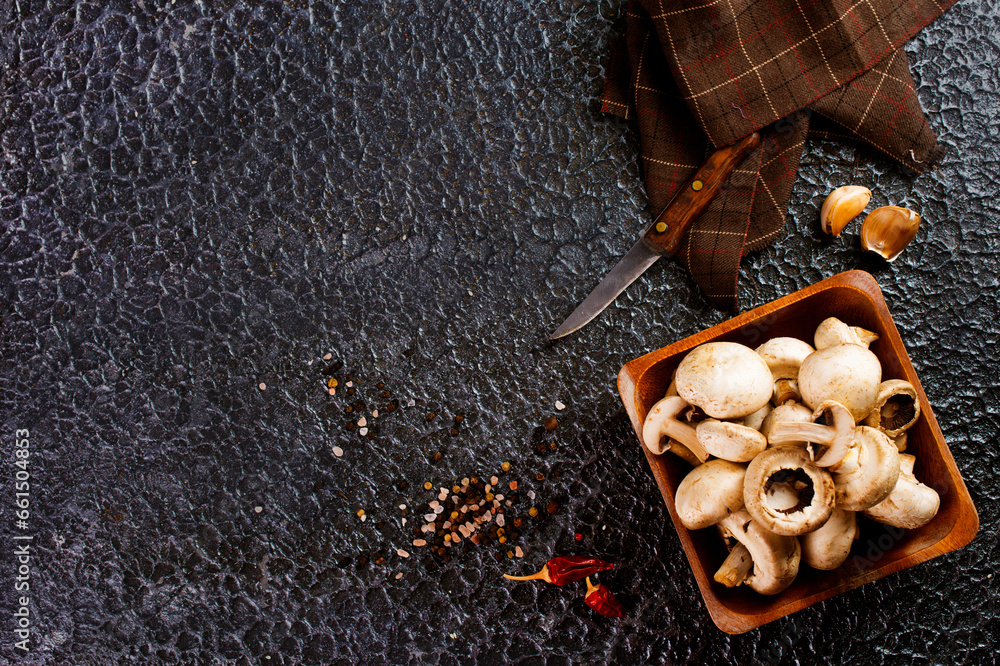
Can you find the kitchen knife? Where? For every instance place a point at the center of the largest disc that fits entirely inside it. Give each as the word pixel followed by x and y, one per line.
pixel 664 235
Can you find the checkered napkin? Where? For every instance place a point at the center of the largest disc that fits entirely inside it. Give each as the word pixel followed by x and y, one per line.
pixel 695 75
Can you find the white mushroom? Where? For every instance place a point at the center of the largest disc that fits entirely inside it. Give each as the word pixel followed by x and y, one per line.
pixel 663 427
pixel 868 473
pixel 730 441
pixel 896 408
pixel 836 437
pixel 725 379
pixel 709 493
pixel 789 412
pixel 784 356
pixel 765 561
pixel 828 547
pixel 849 374
pixel 832 331
pixel 911 504
pixel 756 420
pixel 786 493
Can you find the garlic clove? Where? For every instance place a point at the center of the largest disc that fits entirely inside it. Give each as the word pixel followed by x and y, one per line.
pixel 841 206
pixel 887 230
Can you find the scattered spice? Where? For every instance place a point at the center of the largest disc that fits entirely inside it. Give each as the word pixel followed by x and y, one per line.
pixel 505 466
pixel 402 553
pixel 578 536
pixel 399 575
pixel 331 383
pixel 327 357
pixel 361 513
pixel 337 451
pixel 601 600
pixel 552 507
pixel 428 485
pixel 539 477
pixel 560 406
pixel 533 512
pixel 262 386
pixel 430 417
pixel 258 509
pixel 551 423
pixel 362 431
pixel 567 569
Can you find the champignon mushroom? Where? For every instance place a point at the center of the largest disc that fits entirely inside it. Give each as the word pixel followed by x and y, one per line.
pixel 828 547
pixel 896 408
pixel 784 356
pixel 730 441
pixel 911 504
pixel 756 420
pixel 725 379
pixel 709 493
pixel 849 374
pixel 786 493
pixel 663 423
pixel 790 412
pixel 836 437
pixel 868 473
pixel 765 561
pixel 833 331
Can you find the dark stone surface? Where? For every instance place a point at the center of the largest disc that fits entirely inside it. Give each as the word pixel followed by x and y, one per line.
pixel 200 197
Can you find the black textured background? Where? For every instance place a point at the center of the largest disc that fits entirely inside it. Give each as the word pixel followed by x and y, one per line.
pixel 197 197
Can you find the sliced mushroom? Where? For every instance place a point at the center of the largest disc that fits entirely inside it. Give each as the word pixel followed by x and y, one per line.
pixel 786 493
pixel 775 558
pixel 836 437
pixel 725 379
pixel 828 547
pixel 663 426
pixel 868 473
pixel 709 493
pixel 848 373
pixel 833 331
pixel 789 412
pixel 896 407
pixel 730 441
pixel 911 504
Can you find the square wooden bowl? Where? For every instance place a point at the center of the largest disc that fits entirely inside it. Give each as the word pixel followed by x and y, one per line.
pixel 855 298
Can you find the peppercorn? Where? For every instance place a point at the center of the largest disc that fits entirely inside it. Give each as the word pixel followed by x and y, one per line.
pixel 553 446
pixel 551 507
pixel 532 512
pixel 539 477
pixel 551 423
pixel 505 466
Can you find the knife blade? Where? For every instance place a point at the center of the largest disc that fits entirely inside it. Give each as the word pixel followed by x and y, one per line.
pixel 664 235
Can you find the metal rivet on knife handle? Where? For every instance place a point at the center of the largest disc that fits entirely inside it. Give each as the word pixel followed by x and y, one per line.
pixel 697 185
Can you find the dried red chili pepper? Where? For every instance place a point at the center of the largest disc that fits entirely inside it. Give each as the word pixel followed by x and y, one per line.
pixel 562 570
pixel 601 600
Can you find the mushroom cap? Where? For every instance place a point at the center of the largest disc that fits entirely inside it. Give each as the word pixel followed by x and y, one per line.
pixel 775 557
pixel 784 356
pixel 790 412
pixel 849 374
pixel 896 407
pixel 730 441
pixel 756 420
pixel 709 493
pixel 786 493
pixel 663 424
pixel 911 504
pixel 727 380
pixel 868 473
pixel 833 331
pixel 828 547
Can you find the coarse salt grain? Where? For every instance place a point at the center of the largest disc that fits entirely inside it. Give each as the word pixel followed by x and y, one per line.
pixel 560 406
pixel 258 509
pixel 531 494
pixel 364 518
pixel 262 386
pixel 402 553
pixel 518 552
pixel 494 480
pixel 404 521
pixel 362 431
pixel 488 487
pixel 337 451
pixel 411 403
pixel 374 413
pixel 402 507
pixel 499 498
pixel 435 504
pixel 439 509
pixel 350 384
pixel 501 521
pixel 399 575
pixel 510 502
pixel 362 422
pixel 430 517
pixel 332 391
pixel 327 357
pixel 419 542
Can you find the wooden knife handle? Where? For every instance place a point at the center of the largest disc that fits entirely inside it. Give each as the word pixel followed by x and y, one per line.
pixel 666 232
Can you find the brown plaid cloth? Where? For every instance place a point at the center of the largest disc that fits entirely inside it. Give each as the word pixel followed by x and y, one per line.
pixel 790 68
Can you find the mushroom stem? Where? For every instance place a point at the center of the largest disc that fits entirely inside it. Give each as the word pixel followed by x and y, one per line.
pixel 817 433
pixel 736 568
